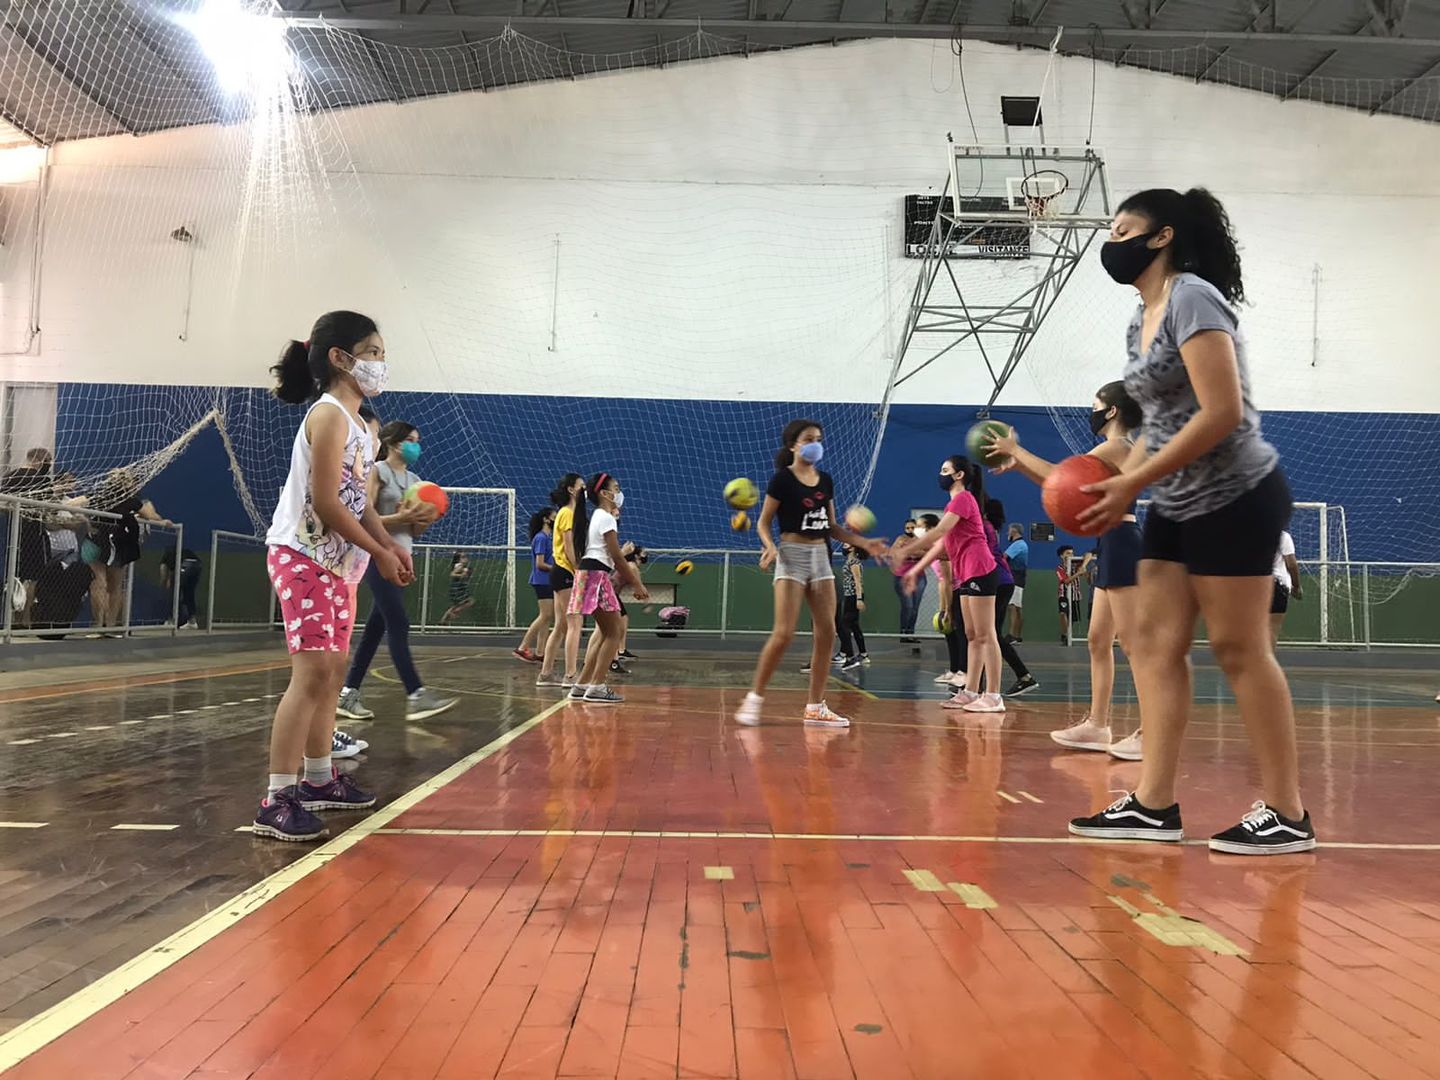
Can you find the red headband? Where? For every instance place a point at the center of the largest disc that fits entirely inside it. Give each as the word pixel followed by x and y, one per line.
pixel 600 483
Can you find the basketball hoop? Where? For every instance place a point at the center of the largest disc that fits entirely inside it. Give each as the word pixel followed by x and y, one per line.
pixel 1041 192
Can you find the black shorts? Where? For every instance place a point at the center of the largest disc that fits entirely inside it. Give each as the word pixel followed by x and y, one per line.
pixel 544 592
pixel 1279 600
pixel 1237 540
pixel 1117 556
pixel 624 611
pixel 984 585
pixel 561 579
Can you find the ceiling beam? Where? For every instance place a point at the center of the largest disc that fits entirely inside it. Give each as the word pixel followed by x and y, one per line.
pixel 77 82
pixel 1024 35
pixel 1290 93
pixel 1404 86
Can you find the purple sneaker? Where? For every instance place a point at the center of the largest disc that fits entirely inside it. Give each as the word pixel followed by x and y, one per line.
pixel 340 793
pixel 282 817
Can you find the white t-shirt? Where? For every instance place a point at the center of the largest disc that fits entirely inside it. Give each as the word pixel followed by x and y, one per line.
pixel 1281 571
pixel 601 522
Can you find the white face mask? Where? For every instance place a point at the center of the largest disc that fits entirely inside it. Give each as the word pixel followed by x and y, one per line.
pixel 919 533
pixel 372 376
pixel 619 499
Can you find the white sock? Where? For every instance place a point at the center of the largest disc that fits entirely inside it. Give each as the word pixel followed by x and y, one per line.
pixel 278 782
pixel 317 770
pixel 416 694
pixel 753 698
pixel 346 690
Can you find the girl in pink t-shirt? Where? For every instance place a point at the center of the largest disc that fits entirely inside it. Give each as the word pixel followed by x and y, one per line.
pixel 961 535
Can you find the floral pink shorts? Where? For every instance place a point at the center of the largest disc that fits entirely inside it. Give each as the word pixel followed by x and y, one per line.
pixel 593 591
pixel 314 603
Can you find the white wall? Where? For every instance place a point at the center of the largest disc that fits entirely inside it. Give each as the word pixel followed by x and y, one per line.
pixel 726 229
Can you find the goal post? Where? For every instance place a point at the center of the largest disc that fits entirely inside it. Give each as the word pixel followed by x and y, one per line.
pixel 1322 542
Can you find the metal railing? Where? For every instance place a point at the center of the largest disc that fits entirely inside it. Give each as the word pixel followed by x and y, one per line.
pixel 50 602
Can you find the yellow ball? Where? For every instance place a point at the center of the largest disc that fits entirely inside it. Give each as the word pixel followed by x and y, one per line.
pixel 941 623
pixel 859 519
pixel 740 521
pixel 742 493
pixel 684 567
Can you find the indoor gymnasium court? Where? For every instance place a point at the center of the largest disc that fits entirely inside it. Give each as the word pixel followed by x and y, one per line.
pixel 638 538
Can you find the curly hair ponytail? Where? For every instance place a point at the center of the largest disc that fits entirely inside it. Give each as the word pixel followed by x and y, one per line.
pixel 1204 242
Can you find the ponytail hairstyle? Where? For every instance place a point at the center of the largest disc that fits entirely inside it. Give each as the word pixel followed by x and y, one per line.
pixel 1114 394
pixel 368 414
pixel 561 495
pixel 393 434
pixel 593 487
pixel 972 475
pixel 537 522
pixel 1204 242
pixel 793 430
pixel 304 371
pixel 995 515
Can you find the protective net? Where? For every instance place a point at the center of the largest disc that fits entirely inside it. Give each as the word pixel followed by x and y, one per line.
pixel 576 308
pixel 570 278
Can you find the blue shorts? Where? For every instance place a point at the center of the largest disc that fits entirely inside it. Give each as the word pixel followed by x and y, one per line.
pixel 1117 556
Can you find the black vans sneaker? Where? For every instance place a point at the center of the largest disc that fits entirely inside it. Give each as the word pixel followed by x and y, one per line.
pixel 1129 819
pixel 1264 831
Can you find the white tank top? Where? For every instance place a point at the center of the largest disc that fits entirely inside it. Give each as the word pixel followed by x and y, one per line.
pixel 297 526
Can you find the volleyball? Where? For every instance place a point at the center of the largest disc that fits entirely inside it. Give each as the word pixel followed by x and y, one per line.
pixel 741 493
pixel 684 567
pixel 941 623
pixel 433 494
pixel 859 519
pixel 740 521
pixel 977 438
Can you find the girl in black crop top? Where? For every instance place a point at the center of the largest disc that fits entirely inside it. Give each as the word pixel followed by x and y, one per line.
pixel 801 497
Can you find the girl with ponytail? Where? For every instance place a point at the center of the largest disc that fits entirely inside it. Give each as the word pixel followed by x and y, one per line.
pixel 568 498
pixel 323 528
pixel 961 538
pixel 1219 501
pixel 1114 417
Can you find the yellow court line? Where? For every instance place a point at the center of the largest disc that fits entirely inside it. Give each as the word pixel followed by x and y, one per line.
pixel 22 1041
pixel 841 684
pixel 664 834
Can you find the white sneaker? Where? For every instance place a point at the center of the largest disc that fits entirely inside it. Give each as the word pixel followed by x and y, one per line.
pixel 821 716
pixel 749 711
pixel 987 703
pixel 1127 749
pixel 960 700
pixel 1086 735
pixel 958 682
pixel 950 676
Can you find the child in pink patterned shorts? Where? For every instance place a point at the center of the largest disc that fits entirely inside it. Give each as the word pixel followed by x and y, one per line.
pixel 321 530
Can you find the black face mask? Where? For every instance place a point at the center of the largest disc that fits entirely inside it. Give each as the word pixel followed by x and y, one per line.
pixel 1098 419
pixel 1126 260
pixel 946 482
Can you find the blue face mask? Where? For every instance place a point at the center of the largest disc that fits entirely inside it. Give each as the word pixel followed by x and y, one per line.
pixel 410 451
pixel 811 453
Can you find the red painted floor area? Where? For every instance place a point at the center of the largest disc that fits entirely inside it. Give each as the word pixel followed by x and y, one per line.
pixel 923 917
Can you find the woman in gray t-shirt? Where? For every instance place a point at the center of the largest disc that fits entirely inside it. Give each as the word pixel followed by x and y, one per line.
pixel 1219 503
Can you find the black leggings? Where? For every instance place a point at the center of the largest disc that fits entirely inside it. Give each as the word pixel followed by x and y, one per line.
pixel 955 640
pixel 847 626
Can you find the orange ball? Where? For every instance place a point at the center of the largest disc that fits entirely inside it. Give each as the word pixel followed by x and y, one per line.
pixel 1062 496
pixel 434 494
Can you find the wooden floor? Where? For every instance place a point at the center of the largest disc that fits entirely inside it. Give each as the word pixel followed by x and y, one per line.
pixel 651 891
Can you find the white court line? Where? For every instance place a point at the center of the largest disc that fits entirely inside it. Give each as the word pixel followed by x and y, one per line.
pixel 23 742
pixel 23 824
pixel 867 837
pixel 20 1042
pixel 143 828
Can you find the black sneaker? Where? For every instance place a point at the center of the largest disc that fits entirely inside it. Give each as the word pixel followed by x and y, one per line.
pixel 617 668
pixel 850 663
pixel 282 817
pixel 1023 685
pixel 1128 819
pixel 1264 831
pixel 626 654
